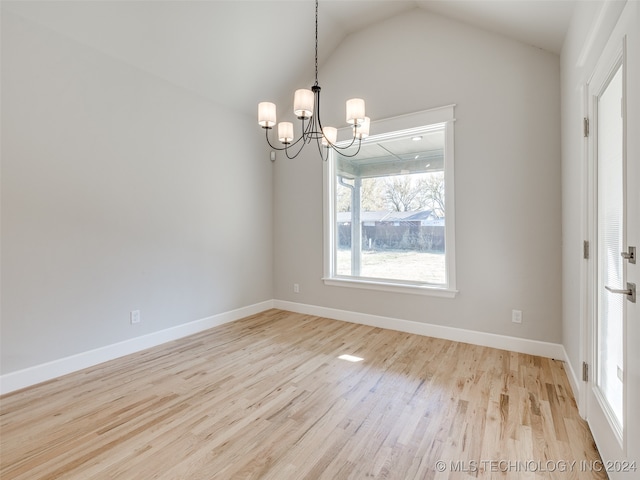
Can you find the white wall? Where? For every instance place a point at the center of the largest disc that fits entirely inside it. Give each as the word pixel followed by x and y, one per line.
pixel 507 167
pixel 120 191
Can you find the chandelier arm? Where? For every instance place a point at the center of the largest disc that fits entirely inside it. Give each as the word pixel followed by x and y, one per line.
pixel 316 94
pixel 269 142
pixel 286 150
pixel 320 147
pixel 289 145
pixel 333 145
pixel 302 140
pixel 337 148
pixel 353 154
pixel 308 132
pixel 279 148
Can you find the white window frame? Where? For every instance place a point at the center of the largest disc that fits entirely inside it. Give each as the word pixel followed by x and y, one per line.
pixel 388 128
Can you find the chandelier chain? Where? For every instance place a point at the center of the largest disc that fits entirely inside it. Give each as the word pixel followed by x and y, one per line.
pixel 316 43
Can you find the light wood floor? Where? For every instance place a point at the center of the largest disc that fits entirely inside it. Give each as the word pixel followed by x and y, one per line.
pixel 267 397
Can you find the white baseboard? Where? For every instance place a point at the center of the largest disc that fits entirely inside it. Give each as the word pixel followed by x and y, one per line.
pixel 47 371
pixel 576 384
pixel 503 342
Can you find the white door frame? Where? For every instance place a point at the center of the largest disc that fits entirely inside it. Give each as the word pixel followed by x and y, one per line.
pixel 613 57
pixel 625 37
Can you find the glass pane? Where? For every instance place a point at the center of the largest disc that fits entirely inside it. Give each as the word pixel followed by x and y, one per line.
pixel 344 208
pixel 390 209
pixel 610 243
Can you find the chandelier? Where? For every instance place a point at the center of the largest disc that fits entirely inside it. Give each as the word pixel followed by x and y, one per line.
pixel 306 107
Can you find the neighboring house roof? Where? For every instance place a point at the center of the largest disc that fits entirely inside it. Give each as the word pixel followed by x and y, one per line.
pixel 426 217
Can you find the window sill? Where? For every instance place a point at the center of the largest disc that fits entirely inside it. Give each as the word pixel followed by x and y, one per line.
pixel 428 290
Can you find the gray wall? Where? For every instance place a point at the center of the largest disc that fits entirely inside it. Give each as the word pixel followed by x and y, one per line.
pixel 120 191
pixel 507 167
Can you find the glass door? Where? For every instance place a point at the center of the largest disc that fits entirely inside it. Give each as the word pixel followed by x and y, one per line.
pixel 610 368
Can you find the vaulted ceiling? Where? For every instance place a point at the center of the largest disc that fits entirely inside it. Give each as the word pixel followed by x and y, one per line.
pixel 239 52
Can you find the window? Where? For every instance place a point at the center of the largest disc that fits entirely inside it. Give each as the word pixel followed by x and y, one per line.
pixel 389 220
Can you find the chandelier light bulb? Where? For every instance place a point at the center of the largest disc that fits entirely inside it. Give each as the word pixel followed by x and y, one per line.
pixel 355 111
pixel 362 131
pixel 329 136
pixel 285 132
pixel 303 103
pixel 266 114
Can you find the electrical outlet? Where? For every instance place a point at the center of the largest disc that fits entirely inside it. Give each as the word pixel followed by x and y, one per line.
pixel 134 316
pixel 296 288
pixel 516 316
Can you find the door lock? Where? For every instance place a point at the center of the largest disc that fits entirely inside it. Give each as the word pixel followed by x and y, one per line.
pixel 630 255
pixel 630 291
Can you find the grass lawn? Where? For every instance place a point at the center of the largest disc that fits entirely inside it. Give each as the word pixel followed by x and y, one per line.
pixel 397 265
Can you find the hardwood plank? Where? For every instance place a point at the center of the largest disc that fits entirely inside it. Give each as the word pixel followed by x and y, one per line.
pixel 267 397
